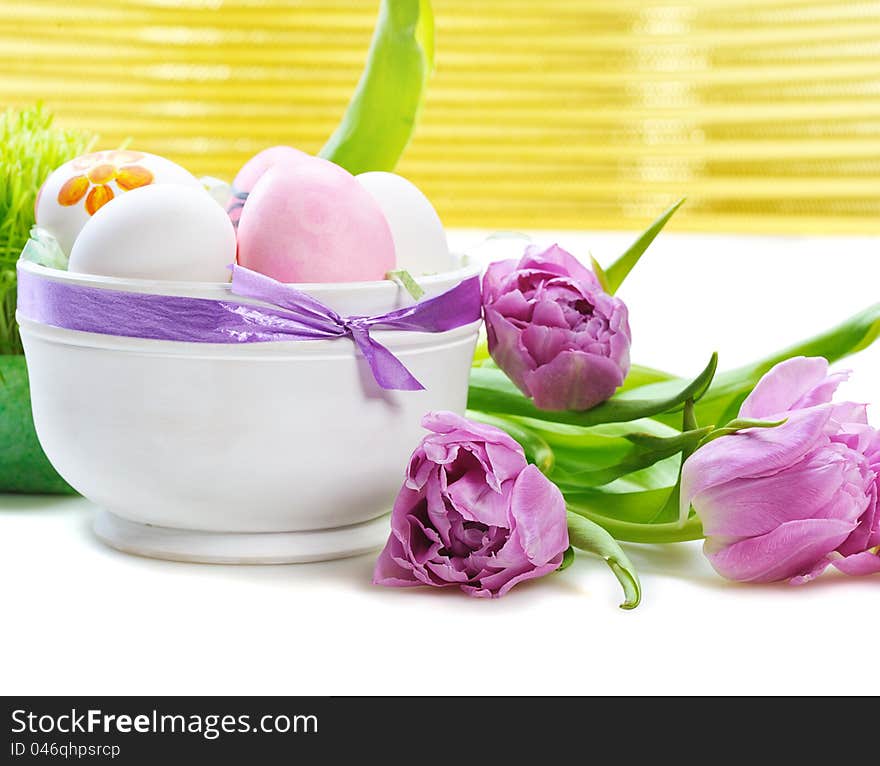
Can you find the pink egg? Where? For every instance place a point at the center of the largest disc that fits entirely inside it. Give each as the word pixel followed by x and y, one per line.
pixel 311 221
pixel 252 171
pixel 258 164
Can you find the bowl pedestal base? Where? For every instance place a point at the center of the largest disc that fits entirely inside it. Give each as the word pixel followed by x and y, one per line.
pixel 240 547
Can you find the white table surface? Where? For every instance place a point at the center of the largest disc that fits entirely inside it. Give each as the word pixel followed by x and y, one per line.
pixel 79 618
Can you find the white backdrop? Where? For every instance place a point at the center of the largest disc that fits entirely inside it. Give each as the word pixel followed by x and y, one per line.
pixel 79 618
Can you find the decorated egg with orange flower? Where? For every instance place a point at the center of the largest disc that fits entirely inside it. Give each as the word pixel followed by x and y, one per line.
pixel 74 192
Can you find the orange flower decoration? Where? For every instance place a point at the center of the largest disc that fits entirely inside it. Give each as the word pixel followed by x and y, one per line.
pixel 98 170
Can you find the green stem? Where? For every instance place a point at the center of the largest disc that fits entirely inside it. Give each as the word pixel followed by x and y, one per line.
pixel 670 509
pixel 631 532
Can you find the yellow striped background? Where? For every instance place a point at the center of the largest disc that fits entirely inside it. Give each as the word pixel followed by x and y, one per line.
pixel 554 113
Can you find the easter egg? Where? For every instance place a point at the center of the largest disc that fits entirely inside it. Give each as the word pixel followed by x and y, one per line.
pixel 419 238
pixel 162 232
pixel 74 192
pixel 253 170
pixel 258 164
pixel 311 221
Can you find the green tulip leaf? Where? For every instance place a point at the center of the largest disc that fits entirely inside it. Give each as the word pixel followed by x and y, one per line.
pixel 640 499
pixel 575 457
pixel 618 271
pixel 491 391
pixel 587 536
pixel 643 376
pixel 728 390
pixel 596 437
pixel 637 506
pixel 600 274
pixel 580 468
pixel 381 117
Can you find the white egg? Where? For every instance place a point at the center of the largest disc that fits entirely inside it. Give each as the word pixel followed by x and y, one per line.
pixel 74 192
pixel 419 238
pixel 157 232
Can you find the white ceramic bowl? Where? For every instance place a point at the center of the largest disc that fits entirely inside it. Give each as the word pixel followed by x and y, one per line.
pixel 251 453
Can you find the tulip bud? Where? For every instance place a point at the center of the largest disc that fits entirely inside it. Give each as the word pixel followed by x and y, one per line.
pixel 554 330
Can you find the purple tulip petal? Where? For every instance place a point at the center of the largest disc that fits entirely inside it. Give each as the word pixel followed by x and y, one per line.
pixel 505 463
pixel 446 573
pixel 513 306
pixel 814 571
pixel 441 451
pixel 867 534
pixel 848 414
pixel 574 380
pixel 752 453
pixel 507 349
pixel 389 571
pixel 748 507
pixel 563 261
pixel 538 511
pixel 498 584
pixel 789 550
pixel 547 314
pixel 544 344
pixel 859 564
pixel 497 274
pixel 861 438
pixel 460 430
pixel 793 384
pixel 475 500
pixel 423 542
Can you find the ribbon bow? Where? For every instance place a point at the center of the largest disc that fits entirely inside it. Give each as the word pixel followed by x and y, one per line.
pixel 304 317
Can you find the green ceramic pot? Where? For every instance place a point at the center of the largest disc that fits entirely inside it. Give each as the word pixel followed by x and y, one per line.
pixel 24 466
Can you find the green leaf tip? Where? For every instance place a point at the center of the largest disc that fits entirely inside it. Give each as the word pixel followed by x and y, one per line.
pixel 589 536
pixel 600 274
pixel 729 389
pixel 382 114
pixel 618 271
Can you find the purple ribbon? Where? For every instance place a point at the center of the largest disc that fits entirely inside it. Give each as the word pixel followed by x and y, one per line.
pixel 294 315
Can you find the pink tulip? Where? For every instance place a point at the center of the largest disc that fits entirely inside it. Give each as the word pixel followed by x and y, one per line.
pixel 472 513
pixel 557 334
pixel 785 502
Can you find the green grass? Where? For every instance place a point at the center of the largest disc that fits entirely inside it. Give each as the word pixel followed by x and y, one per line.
pixel 30 149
